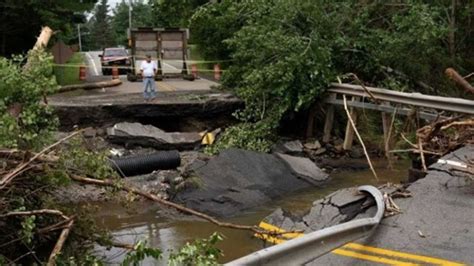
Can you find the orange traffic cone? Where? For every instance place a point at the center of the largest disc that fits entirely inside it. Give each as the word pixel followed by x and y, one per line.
pixel 217 72
pixel 115 72
pixel 194 70
pixel 82 73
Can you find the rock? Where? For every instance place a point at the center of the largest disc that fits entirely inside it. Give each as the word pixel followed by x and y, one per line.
pixel 291 147
pixel 320 151
pixel 136 134
pixel 304 168
pixel 339 148
pixel 89 133
pixel 178 180
pixel 101 132
pixel 236 180
pixel 356 153
pixel 312 145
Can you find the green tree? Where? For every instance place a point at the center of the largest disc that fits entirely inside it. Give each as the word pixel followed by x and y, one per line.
pixel 141 17
pixel 285 53
pixel 100 29
pixel 21 21
pixel 174 13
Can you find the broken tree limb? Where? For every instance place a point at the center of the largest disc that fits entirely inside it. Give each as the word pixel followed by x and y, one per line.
pixel 459 80
pixel 363 87
pixel 469 76
pixel 35 212
pixel 149 196
pixel 422 155
pixel 59 244
pixel 91 85
pixel 359 137
pixel 20 168
pixel 41 42
pixel 43 38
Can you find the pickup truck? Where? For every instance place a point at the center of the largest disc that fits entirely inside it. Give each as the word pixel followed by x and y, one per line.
pixel 115 57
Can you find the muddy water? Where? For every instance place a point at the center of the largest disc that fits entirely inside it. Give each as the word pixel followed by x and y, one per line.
pixel 169 232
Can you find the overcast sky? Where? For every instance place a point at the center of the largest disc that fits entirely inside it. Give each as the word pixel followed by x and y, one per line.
pixel 112 3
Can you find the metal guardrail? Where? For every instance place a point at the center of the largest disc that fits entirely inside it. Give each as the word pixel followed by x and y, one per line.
pixel 305 249
pixel 416 99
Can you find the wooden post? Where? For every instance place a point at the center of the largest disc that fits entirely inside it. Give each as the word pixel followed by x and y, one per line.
pixel 349 138
pixel 329 120
pixel 387 136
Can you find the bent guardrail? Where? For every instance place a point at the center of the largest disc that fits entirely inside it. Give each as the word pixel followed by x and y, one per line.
pixel 457 105
pixel 313 245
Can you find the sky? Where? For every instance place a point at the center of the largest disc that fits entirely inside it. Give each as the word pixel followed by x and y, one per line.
pixel 112 3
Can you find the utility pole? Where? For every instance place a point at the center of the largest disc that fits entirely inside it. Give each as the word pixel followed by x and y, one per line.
pixel 79 34
pixel 130 14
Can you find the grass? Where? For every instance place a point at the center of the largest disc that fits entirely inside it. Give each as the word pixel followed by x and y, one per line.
pixel 66 75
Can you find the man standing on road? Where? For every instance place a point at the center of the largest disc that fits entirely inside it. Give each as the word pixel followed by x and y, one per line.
pixel 148 71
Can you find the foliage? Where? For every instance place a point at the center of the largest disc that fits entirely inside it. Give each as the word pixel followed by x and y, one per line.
pixel 66 75
pixel 174 13
pixel 211 24
pixel 21 21
pixel 200 252
pixel 141 17
pixel 23 122
pixel 140 253
pixel 285 53
pixel 99 26
pixel 248 136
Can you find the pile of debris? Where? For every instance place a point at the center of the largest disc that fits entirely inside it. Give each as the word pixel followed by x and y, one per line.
pixel 442 137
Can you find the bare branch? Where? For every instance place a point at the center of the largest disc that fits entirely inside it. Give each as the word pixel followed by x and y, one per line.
pixel 19 169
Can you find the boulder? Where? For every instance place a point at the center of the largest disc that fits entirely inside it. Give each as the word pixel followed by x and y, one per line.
pixel 294 147
pixel 304 168
pixel 312 145
pixel 236 180
pixel 136 134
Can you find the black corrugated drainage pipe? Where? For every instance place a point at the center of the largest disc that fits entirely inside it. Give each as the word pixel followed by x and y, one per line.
pixel 144 164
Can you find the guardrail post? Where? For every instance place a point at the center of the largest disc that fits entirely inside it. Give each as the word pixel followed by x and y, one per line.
pixel 329 120
pixel 387 140
pixel 349 138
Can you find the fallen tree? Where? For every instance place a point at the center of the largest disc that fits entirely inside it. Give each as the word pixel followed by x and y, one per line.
pixel 91 85
pixel 20 166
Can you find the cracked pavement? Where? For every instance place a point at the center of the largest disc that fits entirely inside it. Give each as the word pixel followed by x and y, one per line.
pixel 436 222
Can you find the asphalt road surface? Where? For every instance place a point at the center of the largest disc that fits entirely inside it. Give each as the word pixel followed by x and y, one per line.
pixel 95 74
pixel 433 228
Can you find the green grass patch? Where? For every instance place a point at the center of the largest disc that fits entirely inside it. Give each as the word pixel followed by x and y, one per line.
pixel 69 74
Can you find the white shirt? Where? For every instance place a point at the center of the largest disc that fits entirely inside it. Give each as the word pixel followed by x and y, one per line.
pixel 148 68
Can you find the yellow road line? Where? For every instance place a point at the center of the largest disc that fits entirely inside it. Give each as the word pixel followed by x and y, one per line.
pixel 361 256
pixel 355 246
pixel 164 86
pixel 273 228
pixel 391 253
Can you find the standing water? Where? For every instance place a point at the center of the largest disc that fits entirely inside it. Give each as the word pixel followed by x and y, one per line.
pixel 147 221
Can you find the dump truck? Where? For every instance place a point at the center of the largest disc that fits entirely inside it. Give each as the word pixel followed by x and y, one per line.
pixel 166 46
